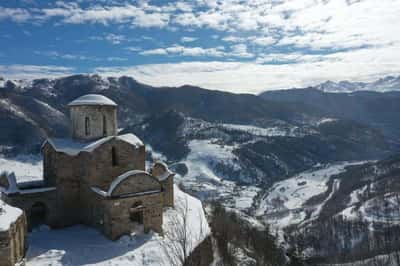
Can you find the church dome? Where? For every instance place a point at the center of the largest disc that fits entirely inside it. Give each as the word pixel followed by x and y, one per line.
pixel 92 99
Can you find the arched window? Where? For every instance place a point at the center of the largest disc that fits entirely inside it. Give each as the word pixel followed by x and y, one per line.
pixel 87 126
pixel 104 126
pixel 114 157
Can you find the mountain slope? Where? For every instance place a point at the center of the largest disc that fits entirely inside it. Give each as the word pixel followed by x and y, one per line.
pixel 354 215
pixel 389 83
pixel 379 110
pixel 135 101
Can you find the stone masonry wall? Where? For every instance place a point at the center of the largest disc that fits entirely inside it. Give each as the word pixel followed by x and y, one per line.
pixel 137 183
pixel 168 191
pixel 119 223
pixel 26 201
pixel 95 115
pixel 100 169
pixel 13 243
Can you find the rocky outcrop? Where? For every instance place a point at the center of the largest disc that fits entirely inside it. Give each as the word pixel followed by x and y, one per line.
pixel 202 255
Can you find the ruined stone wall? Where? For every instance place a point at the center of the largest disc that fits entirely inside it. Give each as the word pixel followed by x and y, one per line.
pixel 95 115
pixel 99 163
pixel 168 191
pixel 26 201
pixel 118 223
pixel 13 243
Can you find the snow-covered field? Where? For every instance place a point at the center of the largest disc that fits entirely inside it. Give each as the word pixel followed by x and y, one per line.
pixel 204 156
pixel 259 131
pixel 80 245
pixel 284 203
pixel 202 178
pixel 25 168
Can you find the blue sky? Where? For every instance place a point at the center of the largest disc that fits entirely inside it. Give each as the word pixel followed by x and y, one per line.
pixel 232 45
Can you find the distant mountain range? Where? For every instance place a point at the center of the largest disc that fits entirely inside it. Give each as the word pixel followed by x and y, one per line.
pixel 389 83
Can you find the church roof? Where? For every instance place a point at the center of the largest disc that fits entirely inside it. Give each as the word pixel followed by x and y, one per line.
pixel 92 99
pixel 122 178
pixel 73 147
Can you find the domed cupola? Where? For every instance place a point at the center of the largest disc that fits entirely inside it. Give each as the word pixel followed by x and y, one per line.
pixel 93 116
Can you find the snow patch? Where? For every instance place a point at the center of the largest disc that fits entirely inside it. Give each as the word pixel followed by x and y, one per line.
pixel 73 147
pixel 92 99
pixel 8 215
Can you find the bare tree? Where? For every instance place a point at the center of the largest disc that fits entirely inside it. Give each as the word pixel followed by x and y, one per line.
pixel 180 237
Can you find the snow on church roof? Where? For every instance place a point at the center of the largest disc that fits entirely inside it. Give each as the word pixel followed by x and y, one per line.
pixel 119 180
pixel 92 99
pixel 73 147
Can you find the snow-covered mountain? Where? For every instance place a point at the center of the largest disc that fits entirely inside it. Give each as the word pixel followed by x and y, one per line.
pixel 389 83
pixel 273 160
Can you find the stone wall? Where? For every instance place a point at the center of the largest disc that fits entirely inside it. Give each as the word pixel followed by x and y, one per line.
pixel 118 220
pixel 13 243
pixel 99 165
pixel 64 172
pixel 95 114
pixel 48 198
pixel 168 191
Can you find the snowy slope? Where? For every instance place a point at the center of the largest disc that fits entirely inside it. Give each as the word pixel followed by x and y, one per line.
pixel 209 165
pixel 285 203
pixel 25 167
pixel 389 83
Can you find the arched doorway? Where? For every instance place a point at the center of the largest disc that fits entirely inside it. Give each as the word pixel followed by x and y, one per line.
pixel 136 213
pixel 38 215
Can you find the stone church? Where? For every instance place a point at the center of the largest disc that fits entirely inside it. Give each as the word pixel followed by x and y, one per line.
pixel 96 177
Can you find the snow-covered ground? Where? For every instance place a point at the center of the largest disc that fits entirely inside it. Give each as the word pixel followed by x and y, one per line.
pixel 284 203
pixel 205 155
pixel 80 245
pixel 204 158
pixel 26 168
pixel 8 215
pixel 382 209
pixel 259 131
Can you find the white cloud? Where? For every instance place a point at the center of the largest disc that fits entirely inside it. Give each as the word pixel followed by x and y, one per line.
pixel 263 41
pixel 188 39
pixel 240 50
pixel 186 51
pixel 363 65
pixel 56 55
pixel 34 71
pixel 15 14
pixel 115 38
pixel 292 43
